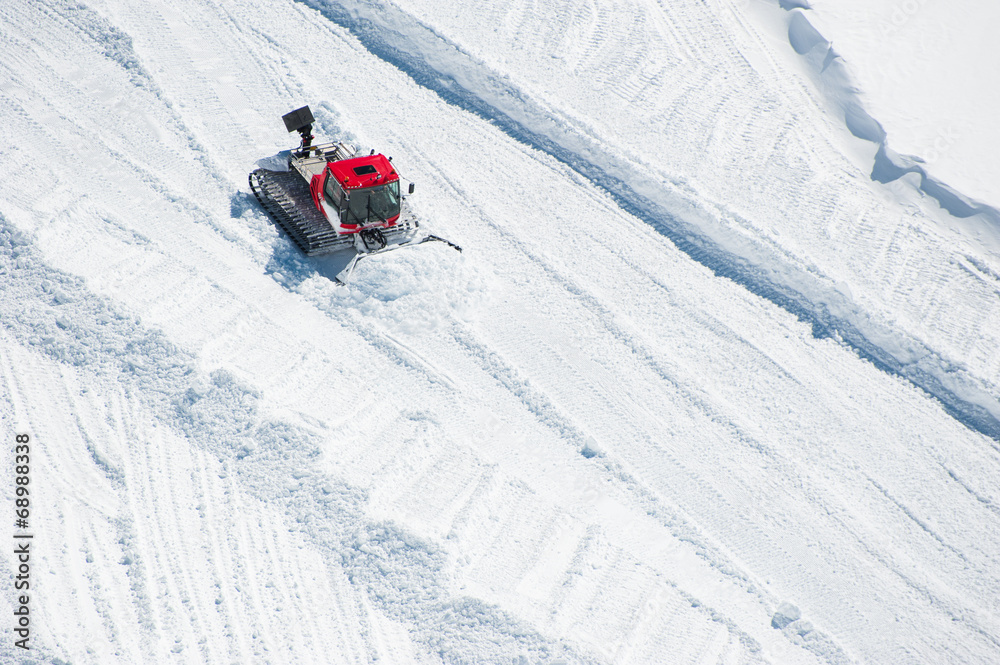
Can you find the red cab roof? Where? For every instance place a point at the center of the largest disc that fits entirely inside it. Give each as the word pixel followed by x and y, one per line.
pixel 366 171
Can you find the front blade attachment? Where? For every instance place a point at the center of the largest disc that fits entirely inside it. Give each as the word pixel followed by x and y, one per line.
pixel 344 275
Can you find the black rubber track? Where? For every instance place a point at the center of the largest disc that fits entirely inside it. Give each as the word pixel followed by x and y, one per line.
pixel 286 198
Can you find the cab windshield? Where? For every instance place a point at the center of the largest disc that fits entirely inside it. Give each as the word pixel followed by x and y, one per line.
pixel 374 204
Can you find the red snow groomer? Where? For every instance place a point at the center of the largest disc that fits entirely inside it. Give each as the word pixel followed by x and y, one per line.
pixel 331 200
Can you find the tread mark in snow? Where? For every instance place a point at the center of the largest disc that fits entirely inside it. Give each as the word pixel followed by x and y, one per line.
pixel 439 65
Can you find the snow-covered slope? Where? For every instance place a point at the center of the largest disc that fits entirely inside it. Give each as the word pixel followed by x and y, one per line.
pixel 928 73
pixel 697 391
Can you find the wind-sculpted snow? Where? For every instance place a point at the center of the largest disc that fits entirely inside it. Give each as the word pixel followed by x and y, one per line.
pixel 889 165
pixel 761 265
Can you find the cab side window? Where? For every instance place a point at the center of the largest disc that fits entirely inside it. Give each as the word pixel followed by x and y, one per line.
pixel 332 191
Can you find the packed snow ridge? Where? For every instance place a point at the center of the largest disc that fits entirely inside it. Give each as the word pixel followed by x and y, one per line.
pixel 438 64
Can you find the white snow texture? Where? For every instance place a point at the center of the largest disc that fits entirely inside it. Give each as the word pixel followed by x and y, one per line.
pixel 716 378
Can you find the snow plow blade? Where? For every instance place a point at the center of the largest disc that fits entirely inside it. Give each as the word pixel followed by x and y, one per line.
pixel 345 274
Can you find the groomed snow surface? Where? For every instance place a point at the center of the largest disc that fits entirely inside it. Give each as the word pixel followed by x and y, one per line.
pixel 698 390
